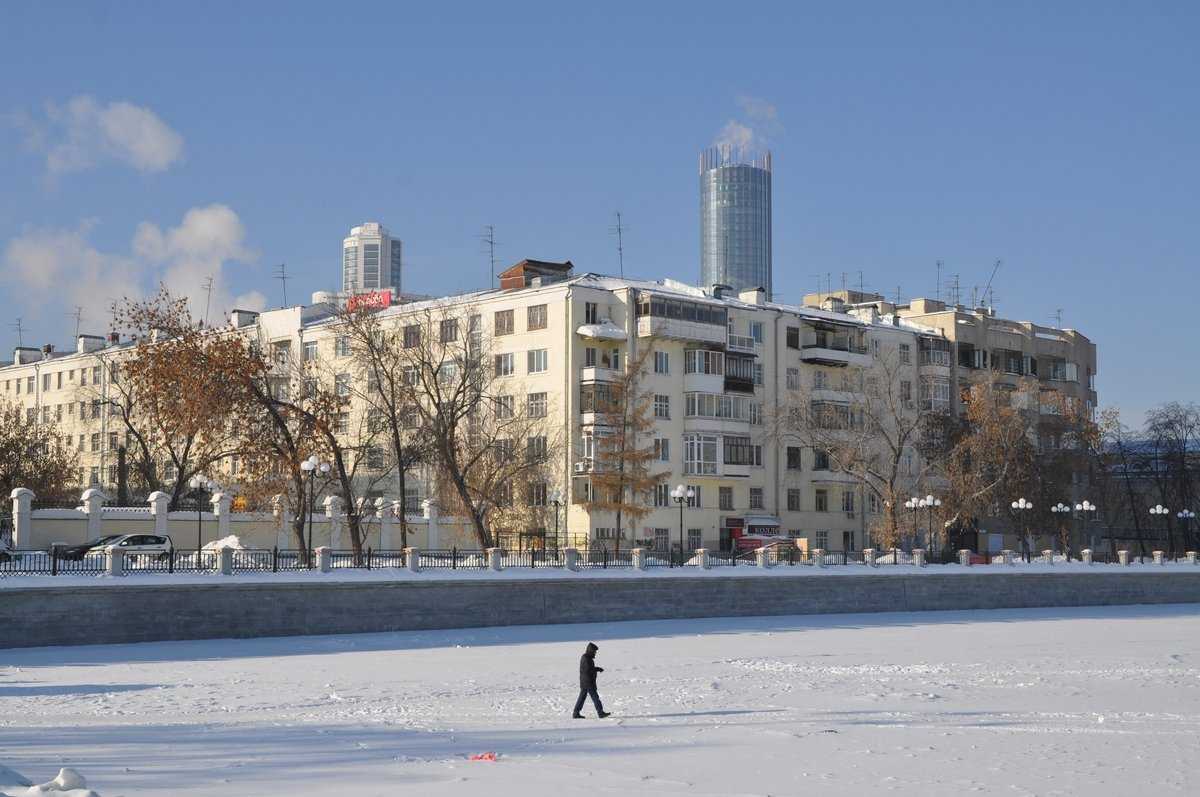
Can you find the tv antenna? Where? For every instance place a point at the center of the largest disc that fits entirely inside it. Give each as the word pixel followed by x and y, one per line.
pixel 618 230
pixel 20 329
pixel 208 287
pixel 281 275
pixel 988 296
pixel 939 281
pixel 1058 318
pixel 489 240
pixel 78 316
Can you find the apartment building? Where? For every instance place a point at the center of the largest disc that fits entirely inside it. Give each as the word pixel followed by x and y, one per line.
pixel 723 368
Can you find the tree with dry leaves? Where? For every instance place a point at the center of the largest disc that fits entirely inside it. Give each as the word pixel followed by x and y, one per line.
pixel 35 455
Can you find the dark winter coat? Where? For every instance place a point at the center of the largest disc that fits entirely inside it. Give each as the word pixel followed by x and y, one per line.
pixel 588 668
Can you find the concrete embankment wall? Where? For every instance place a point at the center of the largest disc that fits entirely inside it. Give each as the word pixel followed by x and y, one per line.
pixel 72 615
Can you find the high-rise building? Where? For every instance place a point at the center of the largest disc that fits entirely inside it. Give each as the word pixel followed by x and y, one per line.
pixel 371 260
pixel 735 218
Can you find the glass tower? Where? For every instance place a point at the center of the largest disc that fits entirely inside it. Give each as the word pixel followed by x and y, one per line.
pixel 735 218
pixel 371 260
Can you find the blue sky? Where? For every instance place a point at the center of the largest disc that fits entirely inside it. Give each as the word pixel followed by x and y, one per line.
pixel 172 141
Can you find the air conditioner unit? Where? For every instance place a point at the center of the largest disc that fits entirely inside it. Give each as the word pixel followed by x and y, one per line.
pixel 581 467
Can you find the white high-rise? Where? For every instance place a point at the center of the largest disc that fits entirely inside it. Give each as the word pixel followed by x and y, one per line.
pixel 371 259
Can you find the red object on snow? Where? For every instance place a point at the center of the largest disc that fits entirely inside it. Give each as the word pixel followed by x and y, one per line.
pixel 484 757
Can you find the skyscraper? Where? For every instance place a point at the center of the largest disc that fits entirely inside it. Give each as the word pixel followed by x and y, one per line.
pixel 735 218
pixel 371 260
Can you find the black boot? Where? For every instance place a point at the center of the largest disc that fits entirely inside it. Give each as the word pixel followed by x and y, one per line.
pixel 604 714
pixel 578 717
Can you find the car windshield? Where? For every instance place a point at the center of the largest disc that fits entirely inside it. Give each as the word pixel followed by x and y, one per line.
pixel 104 540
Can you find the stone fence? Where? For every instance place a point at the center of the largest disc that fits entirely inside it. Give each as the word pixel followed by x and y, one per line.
pixel 39 529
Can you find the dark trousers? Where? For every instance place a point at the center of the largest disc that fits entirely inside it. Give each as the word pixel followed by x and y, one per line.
pixel 583 694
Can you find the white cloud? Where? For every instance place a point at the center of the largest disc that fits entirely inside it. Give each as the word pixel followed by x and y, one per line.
pixel 50 271
pixel 757 125
pixel 83 133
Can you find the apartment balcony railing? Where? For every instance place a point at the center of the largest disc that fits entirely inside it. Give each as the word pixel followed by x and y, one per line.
pixel 740 343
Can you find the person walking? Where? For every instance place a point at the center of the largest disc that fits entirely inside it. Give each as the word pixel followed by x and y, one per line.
pixel 587 682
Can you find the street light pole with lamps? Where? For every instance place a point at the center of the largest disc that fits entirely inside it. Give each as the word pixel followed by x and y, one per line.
pixel 1083 507
pixel 557 502
pixel 199 485
pixel 913 504
pixel 312 466
pixel 1061 511
pixel 1185 517
pixel 1158 510
pixel 1021 506
pixel 930 503
pixel 681 495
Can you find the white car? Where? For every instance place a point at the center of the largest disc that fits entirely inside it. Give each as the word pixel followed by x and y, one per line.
pixel 153 544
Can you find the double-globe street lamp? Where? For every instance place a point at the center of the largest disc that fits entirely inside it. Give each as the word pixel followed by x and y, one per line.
pixel 928 503
pixel 556 500
pixel 1185 518
pixel 200 485
pixel 681 495
pixel 1158 510
pixel 1083 508
pixel 312 466
pixel 1022 508
pixel 1061 511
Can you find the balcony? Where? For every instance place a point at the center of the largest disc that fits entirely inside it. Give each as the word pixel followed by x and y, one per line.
pixel 742 343
pixel 677 329
pixel 835 352
pixel 738 384
pixel 597 374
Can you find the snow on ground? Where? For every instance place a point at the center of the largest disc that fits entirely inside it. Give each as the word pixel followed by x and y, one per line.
pixel 1095 701
pixel 27 581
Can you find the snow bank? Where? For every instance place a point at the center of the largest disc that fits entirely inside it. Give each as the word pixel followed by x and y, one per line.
pixel 68 783
pixel 231 541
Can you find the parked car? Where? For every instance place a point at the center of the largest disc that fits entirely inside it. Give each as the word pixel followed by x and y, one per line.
pixel 153 544
pixel 77 552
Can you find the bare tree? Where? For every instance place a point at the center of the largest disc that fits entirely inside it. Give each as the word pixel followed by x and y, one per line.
pixel 34 454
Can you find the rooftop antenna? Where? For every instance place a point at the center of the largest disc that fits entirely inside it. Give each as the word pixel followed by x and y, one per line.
pixel 843 283
pixel 489 240
pixel 988 296
pixel 939 281
pixel 281 275
pixel 619 231
pixel 20 329
pixel 861 290
pixel 208 286
pixel 78 316
pixel 955 292
pixel 897 295
pixel 1058 318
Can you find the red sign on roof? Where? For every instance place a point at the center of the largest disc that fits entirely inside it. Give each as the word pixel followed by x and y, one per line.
pixel 373 300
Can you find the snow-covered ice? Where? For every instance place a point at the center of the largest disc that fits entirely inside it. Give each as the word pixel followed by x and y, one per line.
pixel 1095 701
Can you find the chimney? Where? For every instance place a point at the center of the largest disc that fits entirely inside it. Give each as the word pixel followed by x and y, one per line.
pixel 86 343
pixel 242 318
pixel 755 296
pixel 114 338
pixel 47 350
pixel 26 354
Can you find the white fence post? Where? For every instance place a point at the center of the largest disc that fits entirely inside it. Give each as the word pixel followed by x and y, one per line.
pixel 226 555
pixel 638 557
pixel 22 511
pixel 412 559
pixel 493 559
pixel 819 557
pixel 964 557
pixel 869 557
pixel 115 559
pixel 158 501
pixel 383 511
pixel 919 557
pixel 1049 556
pixel 324 560
pixel 762 557
pixel 333 512
pixel 1158 557
pixel 431 519
pixel 93 505
pixel 221 504
pixel 1086 553
pixel 1009 555
pixel 1123 557
pixel 1191 557
pixel 702 557
pixel 571 559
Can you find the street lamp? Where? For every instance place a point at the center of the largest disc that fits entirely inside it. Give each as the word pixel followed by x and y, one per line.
pixel 1158 510
pixel 1185 517
pixel 930 503
pixel 913 504
pixel 312 466
pixel 681 495
pixel 1061 511
pixel 199 484
pixel 557 502
pixel 1021 506
pixel 1083 507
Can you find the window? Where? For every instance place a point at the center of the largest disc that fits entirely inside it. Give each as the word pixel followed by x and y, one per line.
pixel 662 539
pixel 793 337
pixel 662 362
pixel 718 405
pixel 662 449
pixel 906 391
pixel 756 498
pixel 341 345
pixel 873 503
pixel 375 458
pixel 703 361
pixel 820 380
pixel 95 409
pixel 113 441
pixel 693 539
pixel 535 494
pixel 694 502
pixel 757 371
pixel 535 449
pixel 595 397
pixel 448 330
pixel 662 495
pixel 905 354
pixel 505 364
pixel 95 442
pixel 700 454
pixel 738 451
pixel 58 381
pixel 820 459
pixel 662 405
pixel 793 500
pixel 80 446
pixel 935 393
pixel 376 421
pixel 503 322
pixel 45 413
pixel 535 405
pixel 793 458
pixel 822 541
pixel 589 357
pixel 58 412
pixel 341 423
pixel 310 350
pixel 412 336
pixel 821 501
pixel 29 380
pixel 848 502
pixel 536 317
pixel 793 379
pixel 591 312
pixel 45 382
pixel 756 331
pixel 539 361
pixel 725 498
pixel 95 374
pixel 412 500
pixel 341 384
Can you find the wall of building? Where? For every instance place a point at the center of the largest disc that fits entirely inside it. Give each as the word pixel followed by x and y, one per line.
pixel 111 614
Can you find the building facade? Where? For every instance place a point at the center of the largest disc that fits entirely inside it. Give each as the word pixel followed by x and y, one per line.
pixel 735 219
pixel 371 260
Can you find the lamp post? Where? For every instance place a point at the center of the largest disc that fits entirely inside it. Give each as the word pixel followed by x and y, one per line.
pixel 557 502
pixel 1061 511
pixel 1083 507
pixel 930 503
pixel 199 484
pixel 312 466
pixel 681 495
pixel 1022 507
pixel 913 504
pixel 1185 517
pixel 1158 510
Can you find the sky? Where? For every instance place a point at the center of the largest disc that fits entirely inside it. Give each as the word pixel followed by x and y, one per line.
pixel 148 143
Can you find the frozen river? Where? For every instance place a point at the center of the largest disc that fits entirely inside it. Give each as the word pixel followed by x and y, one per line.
pixel 1045 702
